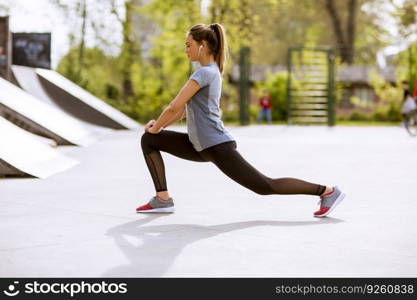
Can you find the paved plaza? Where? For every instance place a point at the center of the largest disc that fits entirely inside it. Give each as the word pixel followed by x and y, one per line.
pixel 82 222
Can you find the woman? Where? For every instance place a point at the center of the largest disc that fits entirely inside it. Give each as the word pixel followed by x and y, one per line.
pixel 207 138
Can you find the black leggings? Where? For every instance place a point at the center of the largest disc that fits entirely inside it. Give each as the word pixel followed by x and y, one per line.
pixel 225 157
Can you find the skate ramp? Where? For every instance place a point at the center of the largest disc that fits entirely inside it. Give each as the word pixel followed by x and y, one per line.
pixel 23 154
pixel 27 79
pixel 37 117
pixel 80 103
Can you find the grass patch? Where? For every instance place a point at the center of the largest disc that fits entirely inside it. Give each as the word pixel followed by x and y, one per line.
pixel 237 123
pixel 341 123
pixel 367 123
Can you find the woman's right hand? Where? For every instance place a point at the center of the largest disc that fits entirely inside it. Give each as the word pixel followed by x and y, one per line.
pixel 149 125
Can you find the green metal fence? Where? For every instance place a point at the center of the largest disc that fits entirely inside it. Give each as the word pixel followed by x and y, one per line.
pixel 310 86
pixel 244 85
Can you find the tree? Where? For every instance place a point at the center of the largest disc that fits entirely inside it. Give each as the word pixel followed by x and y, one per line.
pixel 5 7
pixel 82 7
pixel 148 64
pixel 345 37
pixel 100 72
pixel 79 8
pixel 239 18
pixel 129 48
pixel 406 16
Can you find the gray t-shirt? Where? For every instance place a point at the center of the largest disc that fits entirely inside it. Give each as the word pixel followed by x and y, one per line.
pixel 205 128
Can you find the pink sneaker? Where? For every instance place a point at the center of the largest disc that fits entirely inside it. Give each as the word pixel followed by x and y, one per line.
pixel 157 205
pixel 329 202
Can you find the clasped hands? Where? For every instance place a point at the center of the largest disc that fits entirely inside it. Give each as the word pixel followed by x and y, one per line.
pixel 149 127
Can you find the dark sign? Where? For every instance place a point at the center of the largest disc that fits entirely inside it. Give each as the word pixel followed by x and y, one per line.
pixel 32 50
pixel 5 49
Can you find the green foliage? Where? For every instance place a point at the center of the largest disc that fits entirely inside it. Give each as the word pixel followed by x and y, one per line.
pixel 158 78
pixel 253 113
pixel 98 74
pixel 229 102
pixel 386 109
pixel 407 60
pixel 152 55
pixel 390 98
pixel 387 113
pixel 360 116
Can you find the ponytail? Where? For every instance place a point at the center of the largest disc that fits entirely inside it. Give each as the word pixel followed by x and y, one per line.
pixel 220 56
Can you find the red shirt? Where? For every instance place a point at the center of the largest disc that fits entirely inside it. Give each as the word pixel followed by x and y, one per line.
pixel 265 102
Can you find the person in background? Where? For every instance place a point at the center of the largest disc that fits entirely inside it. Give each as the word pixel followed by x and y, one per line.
pixel 408 103
pixel 265 103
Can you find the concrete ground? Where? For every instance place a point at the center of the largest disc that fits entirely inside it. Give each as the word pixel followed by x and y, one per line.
pixel 82 222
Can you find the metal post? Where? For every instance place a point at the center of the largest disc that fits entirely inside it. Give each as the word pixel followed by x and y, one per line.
pixel 5 48
pixel 289 66
pixel 244 85
pixel 411 67
pixel 330 91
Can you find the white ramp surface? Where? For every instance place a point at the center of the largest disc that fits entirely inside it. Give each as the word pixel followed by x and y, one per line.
pixel 90 100
pixel 20 150
pixel 28 80
pixel 42 117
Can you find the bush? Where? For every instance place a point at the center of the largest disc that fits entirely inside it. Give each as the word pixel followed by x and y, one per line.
pixel 276 84
pixel 359 116
pixel 389 106
pixel 229 103
pixel 253 113
pixel 394 113
pixel 230 115
pixel 391 113
pixel 233 115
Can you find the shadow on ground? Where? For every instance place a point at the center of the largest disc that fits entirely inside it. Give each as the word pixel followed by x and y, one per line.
pixel 151 250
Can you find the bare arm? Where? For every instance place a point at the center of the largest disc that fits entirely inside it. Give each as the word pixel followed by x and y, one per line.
pixel 177 106
pixel 180 115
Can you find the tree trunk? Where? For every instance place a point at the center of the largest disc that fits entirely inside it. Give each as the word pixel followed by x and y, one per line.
pixel 337 26
pixel 127 52
pixel 345 42
pixel 351 31
pixel 82 42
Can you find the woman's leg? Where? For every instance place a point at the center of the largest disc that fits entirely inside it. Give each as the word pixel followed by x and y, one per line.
pixel 172 142
pixel 230 162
